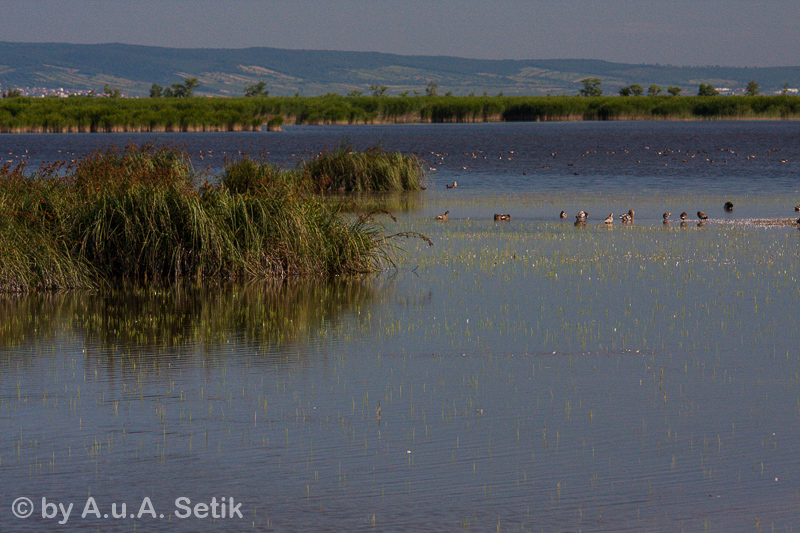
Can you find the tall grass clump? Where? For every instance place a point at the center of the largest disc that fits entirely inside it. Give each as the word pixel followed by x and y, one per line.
pixel 137 213
pixel 35 251
pixel 344 170
pixel 250 176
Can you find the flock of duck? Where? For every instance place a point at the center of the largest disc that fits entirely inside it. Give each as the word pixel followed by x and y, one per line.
pixel 627 218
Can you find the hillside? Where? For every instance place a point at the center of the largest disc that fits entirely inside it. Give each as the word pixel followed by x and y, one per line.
pixel 226 72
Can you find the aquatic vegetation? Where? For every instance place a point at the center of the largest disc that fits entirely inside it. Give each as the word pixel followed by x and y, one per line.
pixel 82 114
pixel 345 170
pixel 138 213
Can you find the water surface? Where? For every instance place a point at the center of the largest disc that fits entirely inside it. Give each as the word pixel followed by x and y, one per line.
pixel 521 376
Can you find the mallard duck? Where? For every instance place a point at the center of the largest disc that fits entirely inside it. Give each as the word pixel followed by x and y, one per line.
pixel 502 217
pixel 684 215
pixel 702 216
pixel 451 185
pixel 442 217
pixel 666 216
pixel 609 219
pixel 563 214
pixel 728 206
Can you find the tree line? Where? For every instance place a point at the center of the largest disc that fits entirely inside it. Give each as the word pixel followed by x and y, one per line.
pixel 591 88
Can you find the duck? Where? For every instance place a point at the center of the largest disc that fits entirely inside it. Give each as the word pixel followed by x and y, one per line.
pixel 702 216
pixel 442 217
pixel 728 206
pixel 626 218
pixel 609 219
pixel 563 214
pixel 666 216
pixel 502 217
pixel 684 215
pixel 797 208
pixel 630 213
pixel 451 185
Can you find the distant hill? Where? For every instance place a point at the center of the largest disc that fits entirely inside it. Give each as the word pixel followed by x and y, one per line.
pixel 226 72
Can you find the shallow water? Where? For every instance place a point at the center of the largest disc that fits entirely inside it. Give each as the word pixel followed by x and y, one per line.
pixel 531 375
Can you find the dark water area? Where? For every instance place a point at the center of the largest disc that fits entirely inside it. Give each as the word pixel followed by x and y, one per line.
pixel 529 375
pixel 700 157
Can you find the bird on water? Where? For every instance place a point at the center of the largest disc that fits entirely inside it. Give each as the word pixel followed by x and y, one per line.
pixel 451 186
pixel 728 206
pixel 563 214
pixel 684 215
pixel 442 217
pixel 702 216
pixel 502 217
pixel 609 219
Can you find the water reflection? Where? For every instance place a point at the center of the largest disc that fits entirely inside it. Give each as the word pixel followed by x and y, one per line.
pixel 189 317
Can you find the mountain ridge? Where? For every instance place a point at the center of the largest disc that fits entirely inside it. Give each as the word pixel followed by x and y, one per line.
pixel 226 72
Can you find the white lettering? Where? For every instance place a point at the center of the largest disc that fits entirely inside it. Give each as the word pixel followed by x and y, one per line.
pixel 90 507
pixel 147 507
pixel 122 514
pixel 234 509
pixel 182 504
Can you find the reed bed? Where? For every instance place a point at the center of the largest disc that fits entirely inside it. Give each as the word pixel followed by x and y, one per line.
pixel 83 114
pixel 138 213
pixel 344 170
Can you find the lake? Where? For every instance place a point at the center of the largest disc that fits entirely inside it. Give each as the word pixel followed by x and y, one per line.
pixel 525 375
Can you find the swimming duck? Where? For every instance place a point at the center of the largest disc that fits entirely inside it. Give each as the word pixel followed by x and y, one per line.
pixel 630 213
pixel 451 186
pixel 563 214
pixel 626 218
pixel 666 216
pixel 502 217
pixel 442 217
pixel 728 206
pixel 684 215
pixel 797 208
pixel 582 215
pixel 702 216
pixel 609 219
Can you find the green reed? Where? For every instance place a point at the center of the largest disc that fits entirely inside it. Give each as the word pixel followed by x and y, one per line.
pixel 344 170
pixel 84 114
pixel 138 213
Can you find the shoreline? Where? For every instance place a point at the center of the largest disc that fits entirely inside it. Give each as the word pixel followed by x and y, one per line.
pixel 265 128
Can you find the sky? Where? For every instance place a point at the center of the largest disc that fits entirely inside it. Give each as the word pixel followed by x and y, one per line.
pixel 741 33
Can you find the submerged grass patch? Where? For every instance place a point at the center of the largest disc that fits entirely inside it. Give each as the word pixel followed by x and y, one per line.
pixel 138 213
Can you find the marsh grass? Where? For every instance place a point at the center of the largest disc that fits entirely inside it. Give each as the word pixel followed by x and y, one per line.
pixel 137 212
pixel 79 114
pixel 344 170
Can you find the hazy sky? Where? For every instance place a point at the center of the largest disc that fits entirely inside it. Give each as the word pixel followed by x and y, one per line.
pixel 679 32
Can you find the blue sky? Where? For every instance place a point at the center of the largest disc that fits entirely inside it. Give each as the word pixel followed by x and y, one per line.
pixel 678 32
